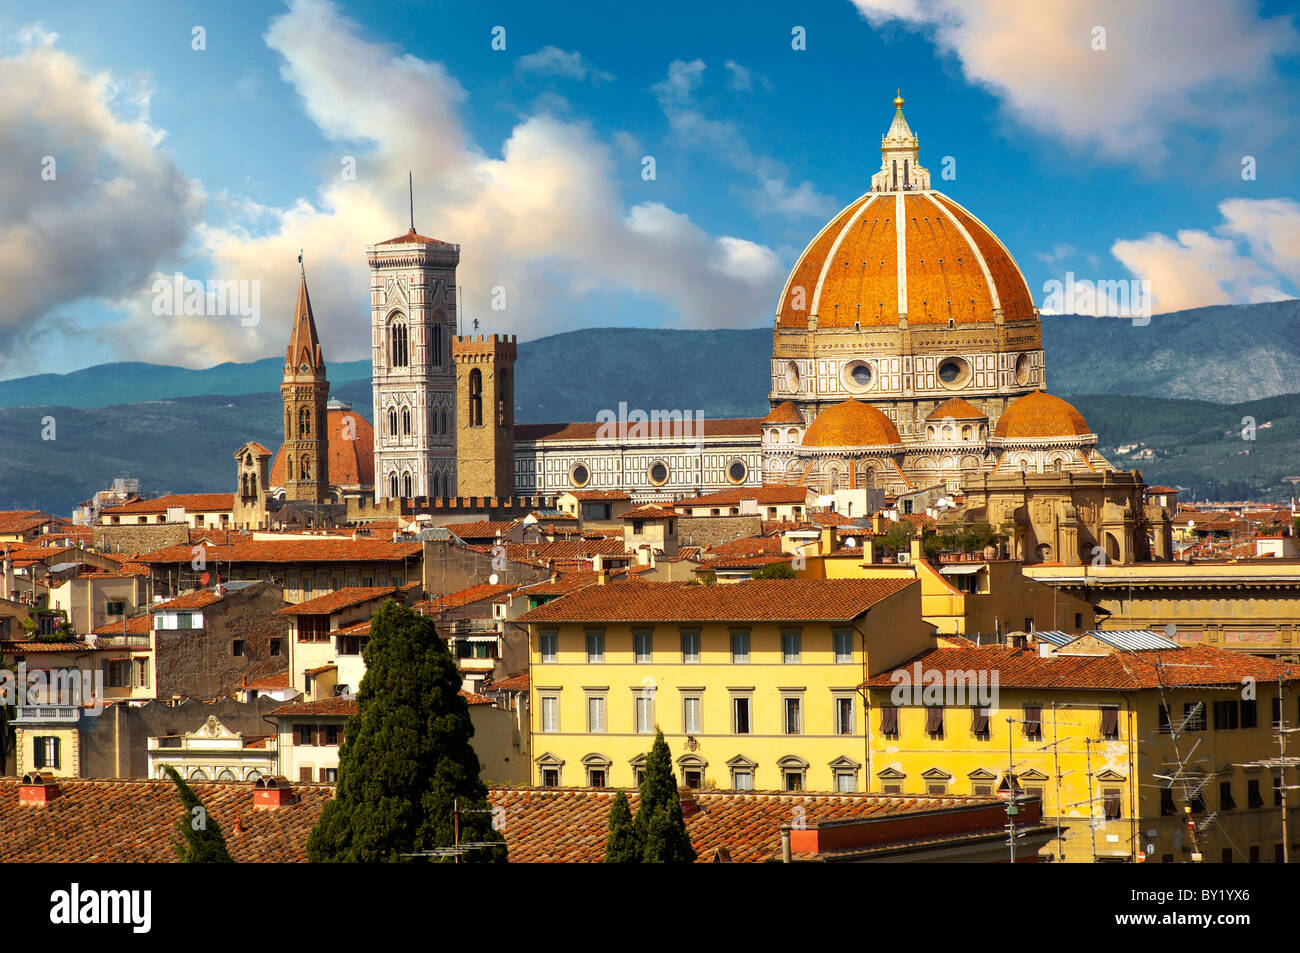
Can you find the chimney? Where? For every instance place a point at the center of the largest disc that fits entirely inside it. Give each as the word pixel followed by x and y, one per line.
pixel 270 793
pixel 37 787
pixel 602 577
pixel 917 550
pixel 827 540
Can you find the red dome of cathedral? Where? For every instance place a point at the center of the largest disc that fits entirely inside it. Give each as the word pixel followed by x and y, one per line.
pixel 903 249
pixel 1040 415
pixel 351 461
pixel 851 424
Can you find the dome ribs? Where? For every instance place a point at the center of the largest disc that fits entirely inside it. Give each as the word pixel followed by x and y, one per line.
pixel 809 268
pixel 943 279
pixel 1017 303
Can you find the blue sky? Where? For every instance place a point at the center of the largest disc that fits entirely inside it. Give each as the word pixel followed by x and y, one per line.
pixel 220 163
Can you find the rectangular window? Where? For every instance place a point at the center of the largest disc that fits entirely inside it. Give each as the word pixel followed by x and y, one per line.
pixel 793 708
pixel 237 647
pixel 549 645
pixel 1226 801
pixel 329 775
pixel 1275 706
pixel 274 647
pixel 550 777
pixel 645 714
pixel 304 774
pixel 843 641
pixel 1164 727
pixel 889 722
pixel 844 715
pixel 979 724
pixel 1253 797
pixel 1110 722
pixel 1167 808
pixel 115 608
pixel 691 646
pixel 934 721
pixel 596 714
pixel 794 780
pixel 740 716
pixel 595 646
pixel 1034 722
pixel 550 713
pixel 596 777
pixel 791 644
pixel 1194 716
pixel 332 734
pixel 1250 714
pixel 1112 800
pixel 742 779
pixel 304 734
pixel 692 714
pixel 740 646
pixel 846 782
pixel 643 645
pixel 45 753
pixel 1277 790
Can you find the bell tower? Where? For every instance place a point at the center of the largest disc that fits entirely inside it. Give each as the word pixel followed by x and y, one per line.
pixel 485 415
pixel 305 391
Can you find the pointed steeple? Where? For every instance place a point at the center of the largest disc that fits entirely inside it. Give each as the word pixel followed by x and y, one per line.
pixel 900 168
pixel 304 345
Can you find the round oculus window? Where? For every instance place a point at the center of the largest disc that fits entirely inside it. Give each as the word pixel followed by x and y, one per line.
pixel 1022 369
pixel 861 374
pixel 580 475
pixel 792 376
pixel 737 471
pixel 658 473
pixel 953 371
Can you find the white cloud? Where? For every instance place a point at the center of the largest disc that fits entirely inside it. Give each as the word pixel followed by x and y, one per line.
pixel 1166 64
pixel 553 61
pixel 773 193
pixel 114 210
pixel 544 220
pixel 1249 258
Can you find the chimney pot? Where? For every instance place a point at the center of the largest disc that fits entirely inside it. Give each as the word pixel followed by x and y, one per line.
pixel 270 793
pixel 37 787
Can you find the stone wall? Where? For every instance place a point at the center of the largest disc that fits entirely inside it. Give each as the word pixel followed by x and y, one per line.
pixel 140 539
pixel 199 663
pixel 714 530
pixel 449 568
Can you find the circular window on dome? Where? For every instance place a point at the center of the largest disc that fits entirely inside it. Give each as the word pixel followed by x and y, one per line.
pixel 792 376
pixel 737 471
pixel 658 473
pixel 580 476
pixel 953 372
pixel 857 375
pixel 1023 369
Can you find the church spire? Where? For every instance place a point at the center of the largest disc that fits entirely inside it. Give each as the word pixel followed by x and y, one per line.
pixel 304 345
pixel 900 168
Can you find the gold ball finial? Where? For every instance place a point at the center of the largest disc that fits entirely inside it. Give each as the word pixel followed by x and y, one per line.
pixel 898 100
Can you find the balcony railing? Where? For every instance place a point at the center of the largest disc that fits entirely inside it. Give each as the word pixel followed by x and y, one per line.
pixel 63 714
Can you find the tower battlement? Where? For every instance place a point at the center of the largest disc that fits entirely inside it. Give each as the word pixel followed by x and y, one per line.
pixel 501 347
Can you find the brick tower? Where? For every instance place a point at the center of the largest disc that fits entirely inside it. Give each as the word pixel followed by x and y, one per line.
pixel 305 390
pixel 485 415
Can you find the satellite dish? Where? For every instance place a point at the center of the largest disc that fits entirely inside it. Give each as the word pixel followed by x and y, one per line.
pixel 493 579
pixel 850 542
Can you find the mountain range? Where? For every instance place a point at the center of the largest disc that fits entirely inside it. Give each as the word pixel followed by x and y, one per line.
pixel 1174 395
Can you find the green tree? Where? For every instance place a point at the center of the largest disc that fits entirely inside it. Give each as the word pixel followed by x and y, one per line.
pixel 621 845
pixel 406 762
pixel 773 571
pixel 201 839
pixel 659 826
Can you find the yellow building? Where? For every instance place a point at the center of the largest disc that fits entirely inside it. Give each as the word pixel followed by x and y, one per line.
pixel 753 684
pixel 1118 741
pixel 1243 606
pixel 972 596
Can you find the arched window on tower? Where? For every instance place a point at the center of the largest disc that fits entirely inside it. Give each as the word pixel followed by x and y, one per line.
pixel 436 346
pixel 392 484
pixel 243 487
pixel 444 422
pixel 304 422
pixel 398 354
pixel 476 398
pixel 304 467
pixel 406 421
pixel 408 490
pixel 906 181
pixel 288 465
pixel 392 421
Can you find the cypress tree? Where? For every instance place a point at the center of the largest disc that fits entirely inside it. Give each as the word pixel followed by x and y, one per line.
pixel 660 827
pixel 621 845
pixel 406 755
pixel 201 839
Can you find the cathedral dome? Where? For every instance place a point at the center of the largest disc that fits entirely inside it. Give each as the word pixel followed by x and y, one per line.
pixel 903 250
pixel 917 254
pixel 351 454
pixel 957 409
pixel 851 424
pixel 1039 415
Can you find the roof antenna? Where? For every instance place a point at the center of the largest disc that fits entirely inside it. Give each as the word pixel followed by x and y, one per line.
pixel 410 183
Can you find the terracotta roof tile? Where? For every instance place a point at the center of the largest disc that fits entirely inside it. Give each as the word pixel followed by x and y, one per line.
pixel 465 597
pixel 765 600
pixel 338 706
pixel 322 550
pixel 332 602
pixel 765 495
pixel 190 502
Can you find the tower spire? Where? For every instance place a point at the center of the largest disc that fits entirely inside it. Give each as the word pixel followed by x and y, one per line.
pixel 410 186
